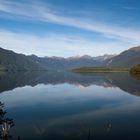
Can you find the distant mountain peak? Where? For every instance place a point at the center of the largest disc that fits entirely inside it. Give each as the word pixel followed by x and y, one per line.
pixel 104 57
pixel 79 57
pixel 86 56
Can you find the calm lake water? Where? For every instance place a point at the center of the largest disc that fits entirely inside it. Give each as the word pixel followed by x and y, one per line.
pixel 68 106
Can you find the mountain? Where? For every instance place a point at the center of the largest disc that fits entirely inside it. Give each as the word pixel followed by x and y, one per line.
pixel 127 58
pixel 60 63
pixel 97 58
pixel 10 60
pixel 52 63
pixel 104 57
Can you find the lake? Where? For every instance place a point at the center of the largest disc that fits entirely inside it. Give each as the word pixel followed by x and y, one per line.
pixel 68 106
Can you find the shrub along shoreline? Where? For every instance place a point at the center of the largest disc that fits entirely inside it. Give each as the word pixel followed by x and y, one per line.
pixel 135 72
pixel 99 70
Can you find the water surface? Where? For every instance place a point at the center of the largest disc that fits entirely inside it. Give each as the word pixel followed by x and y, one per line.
pixel 68 106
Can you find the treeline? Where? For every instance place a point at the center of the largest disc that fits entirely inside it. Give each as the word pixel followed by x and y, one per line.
pixel 135 69
pixel 99 70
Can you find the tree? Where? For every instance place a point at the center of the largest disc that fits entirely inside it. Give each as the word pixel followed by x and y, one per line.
pixel 5 123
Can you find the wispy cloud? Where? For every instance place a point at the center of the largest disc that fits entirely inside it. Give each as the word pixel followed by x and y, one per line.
pixel 37 11
pixel 52 45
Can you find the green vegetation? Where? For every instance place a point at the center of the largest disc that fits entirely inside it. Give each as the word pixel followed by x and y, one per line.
pixel 2 68
pixel 135 71
pixel 2 73
pixel 99 70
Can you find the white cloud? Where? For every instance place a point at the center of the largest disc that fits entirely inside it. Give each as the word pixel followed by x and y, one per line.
pixel 52 45
pixel 62 45
pixel 37 11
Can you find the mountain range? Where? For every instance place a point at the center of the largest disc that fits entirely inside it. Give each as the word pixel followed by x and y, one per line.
pixel 12 61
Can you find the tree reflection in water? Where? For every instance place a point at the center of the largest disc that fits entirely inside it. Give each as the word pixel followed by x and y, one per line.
pixel 5 124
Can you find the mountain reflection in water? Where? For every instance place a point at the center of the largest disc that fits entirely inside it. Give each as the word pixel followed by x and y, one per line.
pixel 69 106
pixel 124 81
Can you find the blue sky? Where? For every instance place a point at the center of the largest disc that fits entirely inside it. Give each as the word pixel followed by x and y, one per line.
pixel 69 27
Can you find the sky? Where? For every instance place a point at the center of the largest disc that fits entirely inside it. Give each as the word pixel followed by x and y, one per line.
pixel 69 27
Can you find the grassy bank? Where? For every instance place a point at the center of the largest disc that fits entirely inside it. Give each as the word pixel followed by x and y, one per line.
pixel 99 70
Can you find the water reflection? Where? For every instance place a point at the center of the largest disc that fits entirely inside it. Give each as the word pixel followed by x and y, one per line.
pixel 68 106
pixel 124 81
pixel 5 124
pixel 136 76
